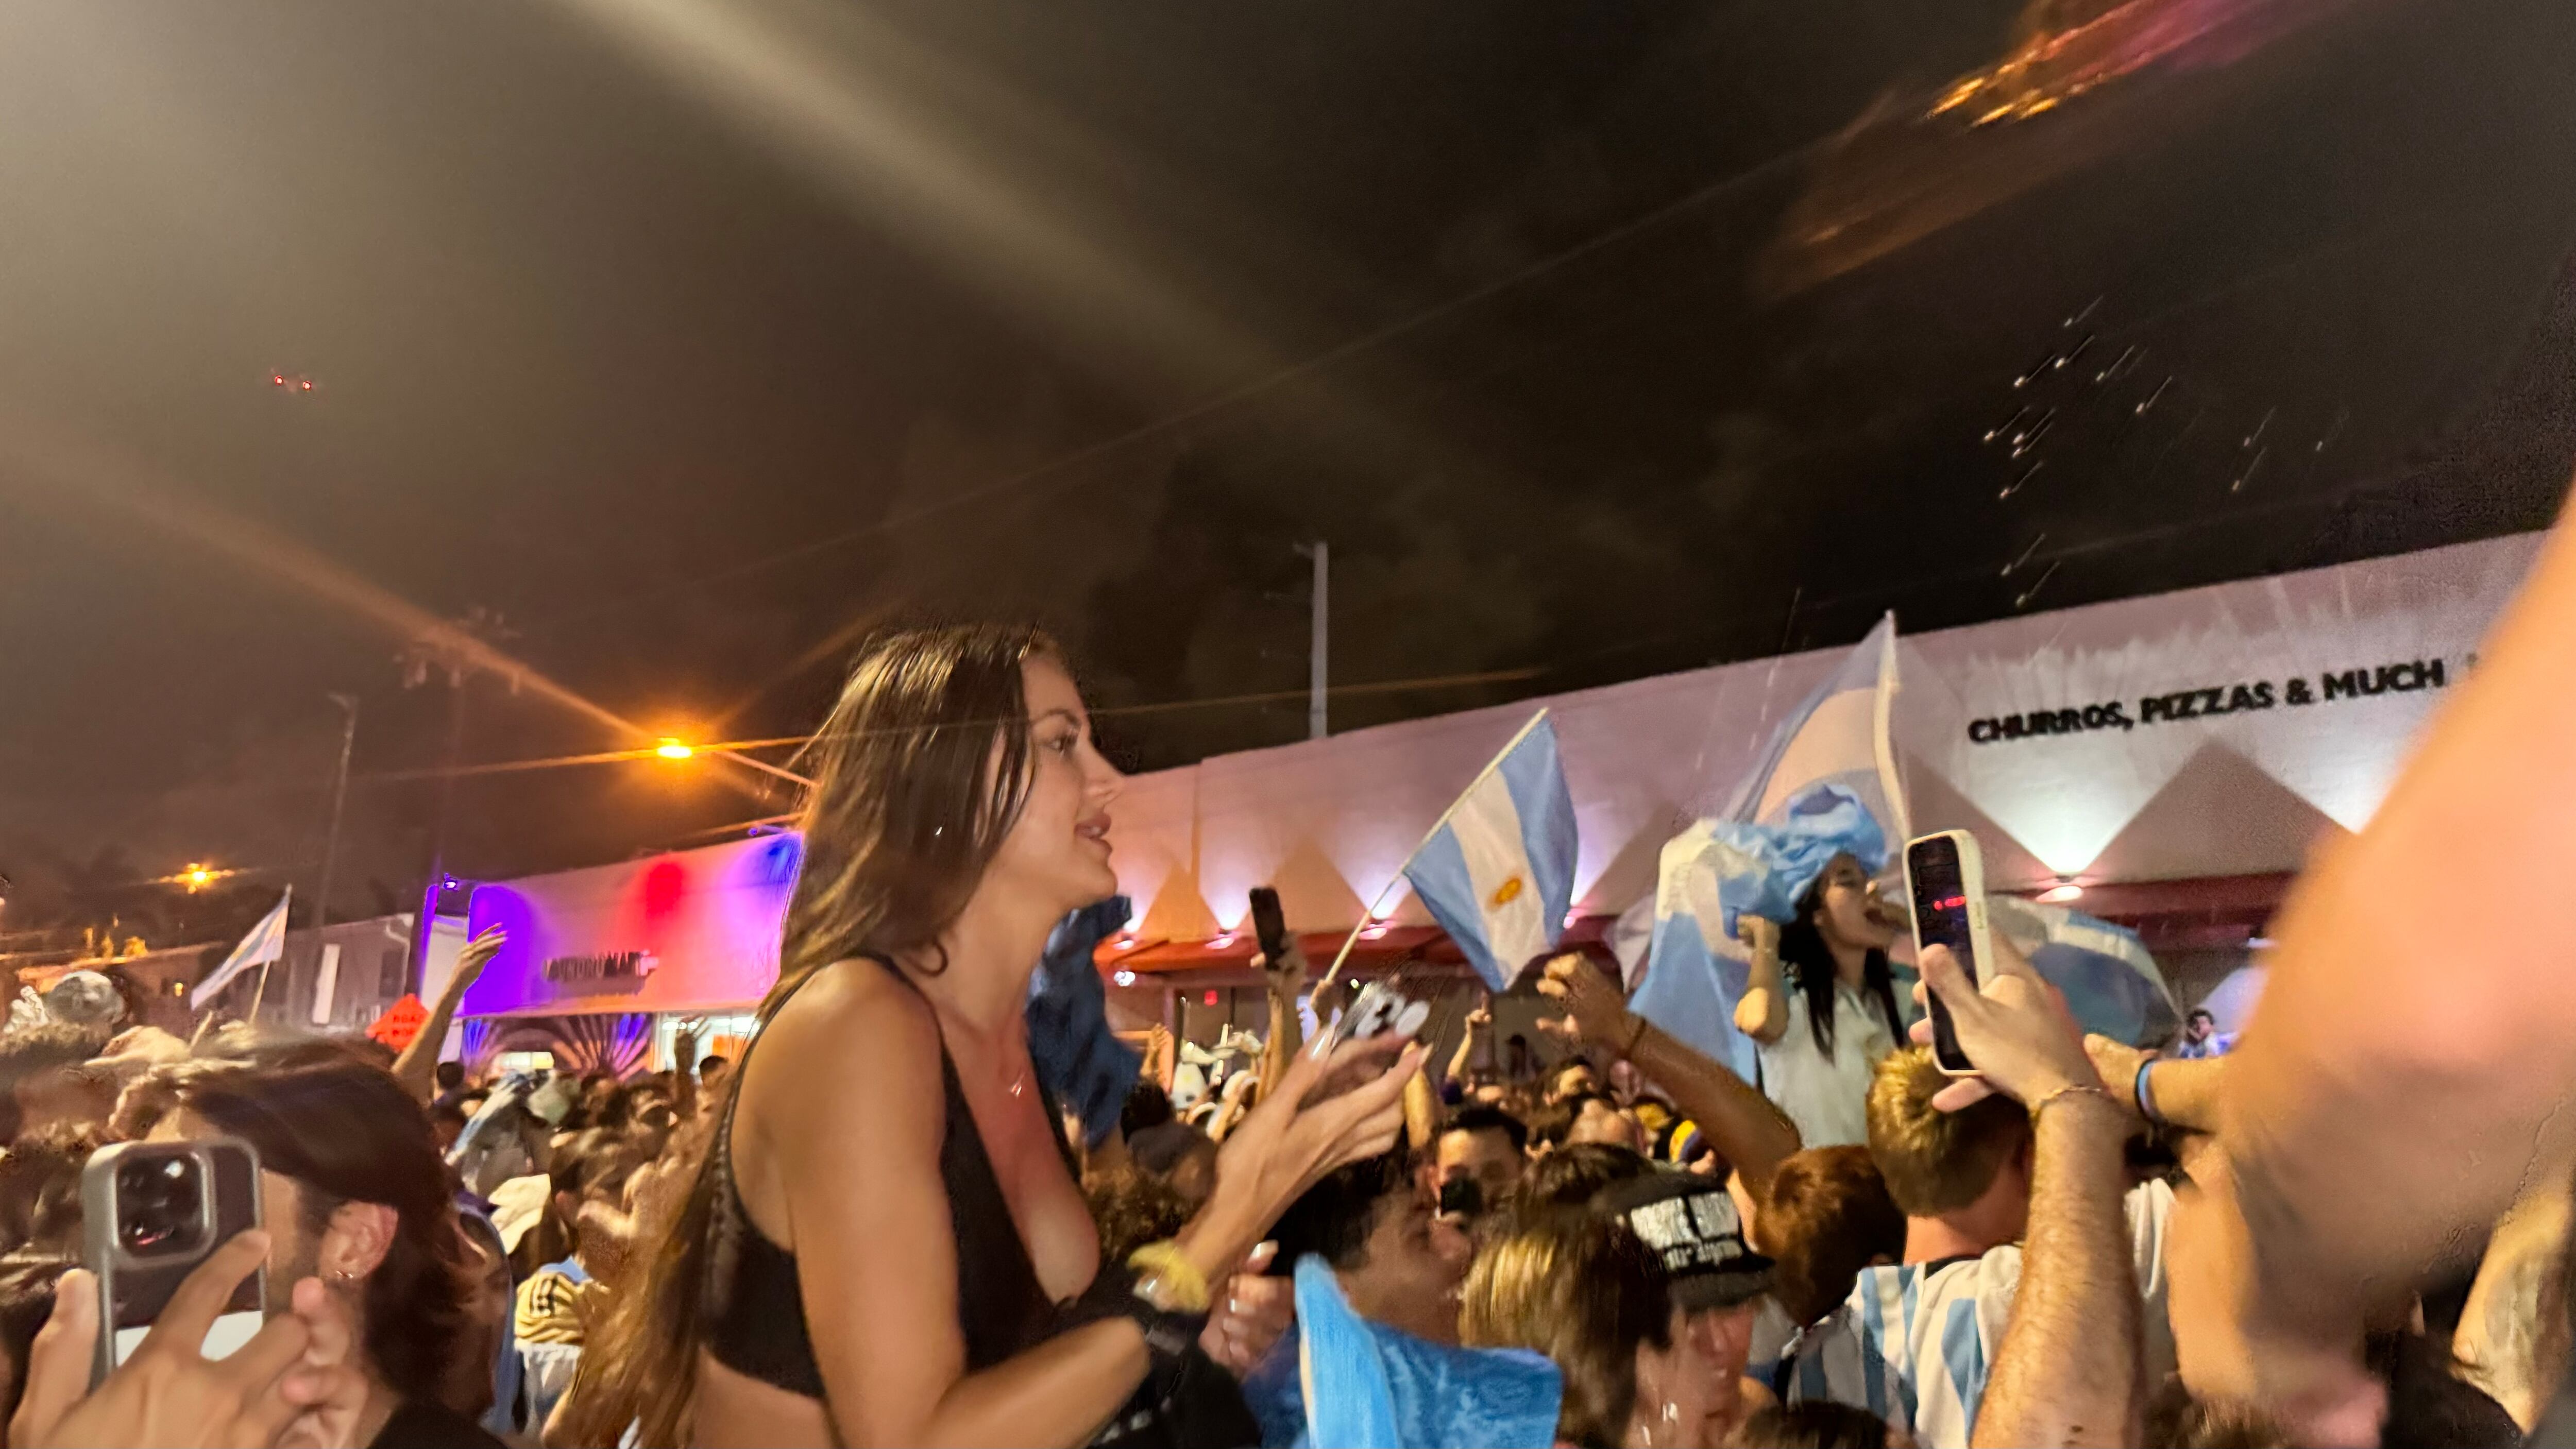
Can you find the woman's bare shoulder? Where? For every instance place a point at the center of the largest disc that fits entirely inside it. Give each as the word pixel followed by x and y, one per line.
pixel 855 1027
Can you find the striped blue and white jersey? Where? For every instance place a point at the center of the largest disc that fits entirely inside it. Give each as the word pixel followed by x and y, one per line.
pixel 1914 1343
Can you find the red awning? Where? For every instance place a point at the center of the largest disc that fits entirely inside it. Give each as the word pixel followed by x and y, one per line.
pixel 1378 949
pixel 2212 911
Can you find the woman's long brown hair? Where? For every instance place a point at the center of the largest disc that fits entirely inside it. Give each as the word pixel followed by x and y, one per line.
pixel 921 770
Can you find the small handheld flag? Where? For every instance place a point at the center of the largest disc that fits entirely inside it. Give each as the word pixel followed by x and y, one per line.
pixel 1497 872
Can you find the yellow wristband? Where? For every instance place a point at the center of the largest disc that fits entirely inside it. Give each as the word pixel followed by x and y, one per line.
pixel 1167 1278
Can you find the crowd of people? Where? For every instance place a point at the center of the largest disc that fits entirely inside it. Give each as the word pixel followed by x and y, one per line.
pixel 936 1199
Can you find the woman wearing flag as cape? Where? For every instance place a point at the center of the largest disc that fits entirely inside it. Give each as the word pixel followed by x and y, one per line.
pixel 1820 1001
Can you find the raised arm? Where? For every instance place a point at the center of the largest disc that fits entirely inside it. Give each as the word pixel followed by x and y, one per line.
pixel 2069 1368
pixel 2398 1000
pixel 417 1067
pixel 1746 1127
pixel 1479 1022
pixel 1763 1011
pixel 2185 1093
pixel 1281 981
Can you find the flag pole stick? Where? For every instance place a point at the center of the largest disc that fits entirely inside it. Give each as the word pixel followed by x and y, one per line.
pixel 259 993
pixel 1482 775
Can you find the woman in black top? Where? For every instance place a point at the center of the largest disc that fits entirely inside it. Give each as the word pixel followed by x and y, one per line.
pixel 885 1244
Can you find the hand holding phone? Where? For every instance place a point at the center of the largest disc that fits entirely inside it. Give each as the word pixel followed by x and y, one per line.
pixel 1946 877
pixel 296 1378
pixel 151 1213
pixel 2025 1042
pixel 1269 925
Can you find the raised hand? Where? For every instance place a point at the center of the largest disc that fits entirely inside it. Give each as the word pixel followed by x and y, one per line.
pixel 1322 1113
pixel 1760 934
pixel 1288 975
pixel 478 953
pixel 1595 1012
pixel 2016 1028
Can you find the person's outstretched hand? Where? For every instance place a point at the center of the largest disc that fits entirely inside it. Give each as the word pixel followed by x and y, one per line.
pixel 1286 977
pixel 1595 1012
pixel 2015 1028
pixel 287 1384
pixel 478 953
pixel 1324 1112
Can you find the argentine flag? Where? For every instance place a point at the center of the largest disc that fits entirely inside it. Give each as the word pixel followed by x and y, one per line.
pixel 1497 872
pixel 265 943
pixel 1826 783
pixel 2110 983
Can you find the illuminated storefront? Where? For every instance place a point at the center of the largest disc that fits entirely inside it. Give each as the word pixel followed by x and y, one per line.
pixel 606 965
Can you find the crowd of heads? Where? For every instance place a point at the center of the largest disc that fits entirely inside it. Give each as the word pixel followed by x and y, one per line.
pixel 361 1187
pixel 475 1227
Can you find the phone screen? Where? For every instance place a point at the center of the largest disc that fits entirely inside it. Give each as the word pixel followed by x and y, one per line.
pixel 1941 919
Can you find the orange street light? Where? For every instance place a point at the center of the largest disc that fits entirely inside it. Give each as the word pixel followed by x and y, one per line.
pixel 197 877
pixel 673 749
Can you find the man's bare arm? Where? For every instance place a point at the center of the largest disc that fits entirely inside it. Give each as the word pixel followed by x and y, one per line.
pixel 2068 1372
pixel 417 1067
pixel 1747 1127
pixel 2394 1000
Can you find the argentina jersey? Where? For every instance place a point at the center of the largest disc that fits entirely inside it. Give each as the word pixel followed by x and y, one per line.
pixel 1914 1344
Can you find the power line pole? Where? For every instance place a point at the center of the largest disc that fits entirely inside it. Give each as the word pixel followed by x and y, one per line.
pixel 456 655
pixel 1318 670
pixel 339 796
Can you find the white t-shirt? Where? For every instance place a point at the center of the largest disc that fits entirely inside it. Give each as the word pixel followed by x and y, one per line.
pixel 1915 1343
pixel 1826 1096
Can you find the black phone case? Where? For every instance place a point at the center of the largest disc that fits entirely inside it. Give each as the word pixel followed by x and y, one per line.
pixel 1269 924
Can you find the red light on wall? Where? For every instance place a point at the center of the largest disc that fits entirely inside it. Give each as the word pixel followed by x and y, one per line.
pixel 664 886
pixel 1210 998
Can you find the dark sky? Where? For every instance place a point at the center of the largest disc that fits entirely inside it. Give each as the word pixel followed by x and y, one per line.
pixel 695 339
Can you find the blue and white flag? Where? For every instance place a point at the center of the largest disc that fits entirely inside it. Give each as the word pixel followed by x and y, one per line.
pixel 2110 983
pixel 1368 1386
pixel 1497 872
pixel 1826 785
pixel 265 943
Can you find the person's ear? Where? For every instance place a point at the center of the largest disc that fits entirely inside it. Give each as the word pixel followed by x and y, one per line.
pixel 355 1241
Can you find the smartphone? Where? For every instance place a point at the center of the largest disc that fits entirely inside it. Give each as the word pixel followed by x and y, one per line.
pixel 151 1212
pixel 1269 926
pixel 1946 878
pixel 1462 1197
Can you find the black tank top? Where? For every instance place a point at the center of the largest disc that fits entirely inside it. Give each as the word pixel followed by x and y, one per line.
pixel 757 1309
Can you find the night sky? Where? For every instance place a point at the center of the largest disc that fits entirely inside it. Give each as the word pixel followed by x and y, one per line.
pixel 1598 339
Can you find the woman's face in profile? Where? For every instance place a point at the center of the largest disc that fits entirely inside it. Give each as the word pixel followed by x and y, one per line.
pixel 1058 850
